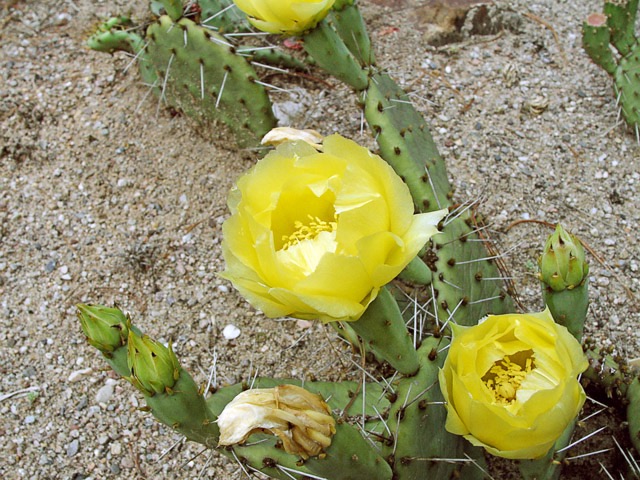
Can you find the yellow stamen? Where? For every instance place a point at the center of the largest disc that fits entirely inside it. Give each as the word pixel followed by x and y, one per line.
pixel 505 377
pixel 308 231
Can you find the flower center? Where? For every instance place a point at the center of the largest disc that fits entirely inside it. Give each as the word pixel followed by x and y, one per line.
pixel 506 375
pixel 307 231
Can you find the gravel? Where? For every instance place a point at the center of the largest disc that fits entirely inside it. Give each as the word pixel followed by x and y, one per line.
pixel 104 198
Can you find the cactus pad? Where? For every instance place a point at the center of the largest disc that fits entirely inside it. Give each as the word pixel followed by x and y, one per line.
pixel 616 27
pixel 406 143
pixel 199 73
pixel 467 283
pixel 223 15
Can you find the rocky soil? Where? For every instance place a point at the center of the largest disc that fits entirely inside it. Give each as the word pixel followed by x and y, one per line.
pixel 106 196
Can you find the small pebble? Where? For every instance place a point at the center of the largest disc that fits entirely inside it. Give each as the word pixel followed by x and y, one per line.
pixel 62 19
pixel 50 266
pixel 231 332
pixel 116 448
pixel 78 375
pixel 82 403
pixel 105 393
pixel 72 448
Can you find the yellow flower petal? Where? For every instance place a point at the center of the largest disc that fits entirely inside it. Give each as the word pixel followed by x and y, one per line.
pixel 285 16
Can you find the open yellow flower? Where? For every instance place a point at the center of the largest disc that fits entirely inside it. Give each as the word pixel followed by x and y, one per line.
pixel 290 17
pixel 511 383
pixel 315 235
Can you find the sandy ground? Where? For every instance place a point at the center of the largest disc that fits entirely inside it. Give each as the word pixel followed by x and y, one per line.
pixel 105 197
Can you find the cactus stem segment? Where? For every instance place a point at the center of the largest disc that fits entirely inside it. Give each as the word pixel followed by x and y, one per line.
pixel 383 331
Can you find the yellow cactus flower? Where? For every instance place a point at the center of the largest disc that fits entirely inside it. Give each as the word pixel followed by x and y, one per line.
pixel 315 235
pixel 290 17
pixel 299 418
pixel 511 384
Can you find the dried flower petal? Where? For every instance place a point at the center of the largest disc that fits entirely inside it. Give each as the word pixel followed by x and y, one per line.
pixel 300 419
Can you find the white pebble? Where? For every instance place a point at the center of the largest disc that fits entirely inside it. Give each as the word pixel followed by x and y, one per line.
pixel 230 332
pixel 116 448
pixel 105 393
pixel 79 374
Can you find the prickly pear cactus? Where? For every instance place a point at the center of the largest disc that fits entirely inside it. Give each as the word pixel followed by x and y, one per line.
pixel 395 431
pixel 616 27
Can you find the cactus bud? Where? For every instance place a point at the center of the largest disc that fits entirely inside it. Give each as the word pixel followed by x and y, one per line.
pixel 300 419
pixel 106 328
pixel 154 368
pixel 562 264
pixel 564 276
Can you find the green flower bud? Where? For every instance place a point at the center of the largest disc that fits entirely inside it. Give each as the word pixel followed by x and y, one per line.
pixel 154 368
pixel 562 264
pixel 106 328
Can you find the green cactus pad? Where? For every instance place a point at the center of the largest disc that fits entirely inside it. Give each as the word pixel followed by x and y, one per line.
pixel 349 24
pixel 329 51
pixel 627 87
pixel 186 411
pixel 621 19
pixel 466 281
pixel 223 15
pixel 200 74
pixel 633 412
pixel 406 143
pixel 116 34
pixel 417 418
pixel 569 307
pixel 173 8
pixel 383 331
pixel 617 27
pixel 596 39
